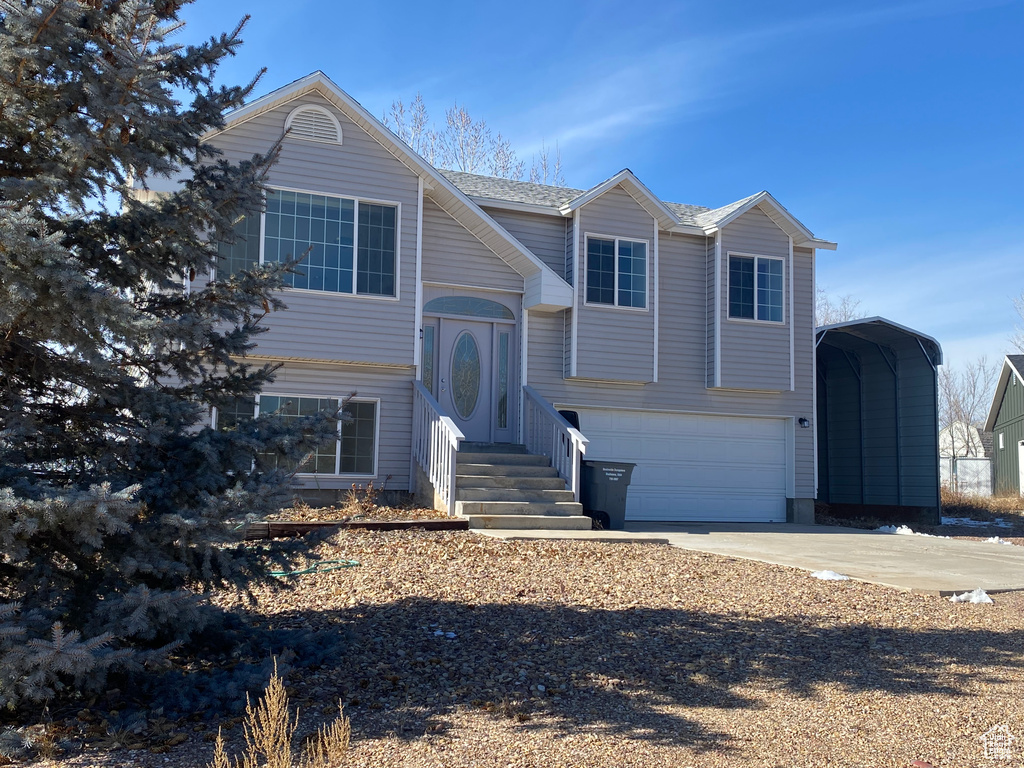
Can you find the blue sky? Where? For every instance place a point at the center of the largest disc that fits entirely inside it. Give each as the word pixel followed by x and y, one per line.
pixel 894 128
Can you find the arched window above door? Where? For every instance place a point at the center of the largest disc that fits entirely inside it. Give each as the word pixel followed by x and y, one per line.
pixel 468 305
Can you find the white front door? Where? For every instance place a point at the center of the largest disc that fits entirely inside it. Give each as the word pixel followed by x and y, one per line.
pixel 465 376
pixel 469 363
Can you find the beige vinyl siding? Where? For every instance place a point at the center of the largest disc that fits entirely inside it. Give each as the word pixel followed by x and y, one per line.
pixel 615 343
pixel 543 235
pixel 394 390
pixel 452 254
pixel 331 326
pixel 683 342
pixel 755 355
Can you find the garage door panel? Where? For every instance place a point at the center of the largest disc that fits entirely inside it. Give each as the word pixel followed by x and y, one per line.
pixel 695 467
pixel 697 506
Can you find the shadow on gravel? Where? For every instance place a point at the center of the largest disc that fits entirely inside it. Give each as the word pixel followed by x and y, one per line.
pixel 629 673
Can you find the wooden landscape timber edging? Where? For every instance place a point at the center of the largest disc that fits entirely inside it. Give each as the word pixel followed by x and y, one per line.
pixel 279 529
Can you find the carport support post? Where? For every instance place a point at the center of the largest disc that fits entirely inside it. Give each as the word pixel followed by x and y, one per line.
pixel 938 469
pixel 860 421
pixel 899 431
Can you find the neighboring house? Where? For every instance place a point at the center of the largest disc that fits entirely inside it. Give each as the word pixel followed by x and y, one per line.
pixel 1006 423
pixel 466 309
pixel 877 405
pixel 965 459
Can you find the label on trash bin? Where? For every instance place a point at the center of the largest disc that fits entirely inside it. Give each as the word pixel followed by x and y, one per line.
pixel 613 473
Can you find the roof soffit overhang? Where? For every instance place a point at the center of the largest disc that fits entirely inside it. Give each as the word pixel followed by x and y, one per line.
pixel 544 289
pixel 1009 369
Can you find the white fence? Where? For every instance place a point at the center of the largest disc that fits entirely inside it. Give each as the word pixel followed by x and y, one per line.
pixel 967 474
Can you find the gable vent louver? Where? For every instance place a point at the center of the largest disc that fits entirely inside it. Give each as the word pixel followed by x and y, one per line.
pixel 313 124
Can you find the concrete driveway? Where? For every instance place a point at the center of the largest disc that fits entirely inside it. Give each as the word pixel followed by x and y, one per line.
pixel 923 564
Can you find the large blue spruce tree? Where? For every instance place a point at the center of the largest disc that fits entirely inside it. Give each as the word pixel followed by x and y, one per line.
pixel 118 501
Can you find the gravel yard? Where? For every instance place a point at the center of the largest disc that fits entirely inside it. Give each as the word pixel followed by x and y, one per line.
pixel 470 651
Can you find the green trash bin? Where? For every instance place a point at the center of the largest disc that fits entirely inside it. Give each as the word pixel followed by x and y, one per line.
pixel 603 491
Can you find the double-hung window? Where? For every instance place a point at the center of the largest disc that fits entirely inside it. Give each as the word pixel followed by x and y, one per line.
pixel 349 245
pixel 617 272
pixel 352 452
pixel 755 288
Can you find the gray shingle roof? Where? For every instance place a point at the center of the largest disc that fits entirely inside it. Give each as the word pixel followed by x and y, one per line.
pixel 511 191
pixel 541 194
pixel 709 217
pixel 1017 361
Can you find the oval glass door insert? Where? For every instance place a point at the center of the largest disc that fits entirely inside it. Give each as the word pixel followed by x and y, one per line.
pixel 465 374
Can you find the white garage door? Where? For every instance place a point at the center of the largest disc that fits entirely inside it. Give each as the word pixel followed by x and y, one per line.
pixel 724 468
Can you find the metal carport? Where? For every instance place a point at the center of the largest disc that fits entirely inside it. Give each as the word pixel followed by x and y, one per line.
pixel 877 421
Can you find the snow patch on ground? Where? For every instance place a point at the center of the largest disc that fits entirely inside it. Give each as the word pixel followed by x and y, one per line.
pixel 829 576
pixel 977 596
pixel 904 530
pixel 969 523
pixel 997 540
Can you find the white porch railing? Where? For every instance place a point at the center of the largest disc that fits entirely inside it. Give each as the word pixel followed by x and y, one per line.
pixel 546 432
pixel 435 444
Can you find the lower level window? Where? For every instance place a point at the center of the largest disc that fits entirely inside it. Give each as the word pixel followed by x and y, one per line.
pixel 353 452
pixel 755 288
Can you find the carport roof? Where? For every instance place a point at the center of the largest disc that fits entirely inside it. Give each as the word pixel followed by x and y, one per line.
pixel 878 330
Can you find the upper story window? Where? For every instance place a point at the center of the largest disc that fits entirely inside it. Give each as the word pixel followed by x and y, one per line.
pixel 617 272
pixel 755 288
pixel 313 123
pixel 352 245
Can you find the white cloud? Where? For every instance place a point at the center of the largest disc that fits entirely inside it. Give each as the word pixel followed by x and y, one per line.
pixel 616 96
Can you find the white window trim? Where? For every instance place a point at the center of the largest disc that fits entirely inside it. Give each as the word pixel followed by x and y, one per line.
pixel 647 272
pixel 355 245
pixel 337 442
pixel 728 290
pixel 313 108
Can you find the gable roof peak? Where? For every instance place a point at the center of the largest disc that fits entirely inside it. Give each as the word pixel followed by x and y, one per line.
pixel 1012 365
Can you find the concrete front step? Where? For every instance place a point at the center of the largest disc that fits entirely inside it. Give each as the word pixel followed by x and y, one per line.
pixel 501 448
pixel 512 494
pixel 505 470
pixel 531 522
pixel 503 481
pixel 502 459
pixel 556 508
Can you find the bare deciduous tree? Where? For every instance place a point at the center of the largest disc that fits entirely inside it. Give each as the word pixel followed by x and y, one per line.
pixel 504 163
pixel 412 126
pixel 465 144
pixel 829 310
pixel 1017 339
pixel 964 398
pixel 546 170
